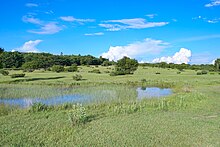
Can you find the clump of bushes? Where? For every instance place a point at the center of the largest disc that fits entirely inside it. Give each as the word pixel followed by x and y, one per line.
pixel 179 72
pixel 72 68
pixel 143 80
pixel 77 77
pixel 157 73
pixel 95 71
pixel 4 72
pixel 57 68
pixel 77 115
pixel 203 72
pixel 17 75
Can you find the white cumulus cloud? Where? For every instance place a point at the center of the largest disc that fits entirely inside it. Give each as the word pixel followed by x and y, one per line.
pixel 213 3
pixel 183 56
pixel 148 46
pixel 29 47
pixel 135 23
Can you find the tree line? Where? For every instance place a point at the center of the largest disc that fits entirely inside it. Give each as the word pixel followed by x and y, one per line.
pixel 46 60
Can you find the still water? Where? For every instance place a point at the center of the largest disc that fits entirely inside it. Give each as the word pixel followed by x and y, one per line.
pixel 140 93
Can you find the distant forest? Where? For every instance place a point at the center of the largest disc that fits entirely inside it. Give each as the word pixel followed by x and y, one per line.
pixel 47 60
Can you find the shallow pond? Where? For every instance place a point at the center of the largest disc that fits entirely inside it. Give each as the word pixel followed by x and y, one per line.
pixel 97 94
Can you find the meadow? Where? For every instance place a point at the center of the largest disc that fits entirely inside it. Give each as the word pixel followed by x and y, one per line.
pixel 188 117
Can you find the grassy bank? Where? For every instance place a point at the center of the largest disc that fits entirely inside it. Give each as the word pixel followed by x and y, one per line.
pixel 189 117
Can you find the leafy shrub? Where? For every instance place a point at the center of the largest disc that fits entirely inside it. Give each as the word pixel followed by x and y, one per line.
pixel 212 73
pixel 57 68
pixel 4 72
pixel 143 80
pixel 179 72
pixel 38 107
pixel 17 75
pixel 77 77
pixel 157 73
pixel 116 73
pixel 78 115
pixel 95 71
pixel 204 72
pixel 199 73
pixel 72 68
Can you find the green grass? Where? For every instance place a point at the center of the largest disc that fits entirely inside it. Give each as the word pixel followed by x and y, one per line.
pixel 189 117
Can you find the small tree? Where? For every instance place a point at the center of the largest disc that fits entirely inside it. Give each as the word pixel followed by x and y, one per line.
pixel 126 66
pixel 57 68
pixel 217 64
pixel 72 68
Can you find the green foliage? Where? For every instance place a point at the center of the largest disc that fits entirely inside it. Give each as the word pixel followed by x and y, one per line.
pixel 38 107
pixel 77 77
pixel 204 72
pixel 31 65
pixel 11 59
pixel 17 75
pixel 72 68
pixel 97 71
pixel 1 50
pixel 57 68
pixel 157 73
pixel 217 64
pixel 4 72
pixel 126 66
pixel 77 115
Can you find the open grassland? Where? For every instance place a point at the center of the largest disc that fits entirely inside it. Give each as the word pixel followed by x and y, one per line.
pixel 189 117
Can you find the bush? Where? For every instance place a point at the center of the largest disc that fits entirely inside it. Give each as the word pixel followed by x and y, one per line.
pixel 4 72
pixel 38 107
pixel 204 72
pixel 199 73
pixel 77 77
pixel 72 68
pixel 95 71
pixel 57 68
pixel 143 80
pixel 179 72
pixel 17 75
pixel 78 115
pixel 117 73
pixel 157 73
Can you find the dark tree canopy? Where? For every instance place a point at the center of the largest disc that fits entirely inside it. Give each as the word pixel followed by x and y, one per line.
pixel 126 65
pixel 217 64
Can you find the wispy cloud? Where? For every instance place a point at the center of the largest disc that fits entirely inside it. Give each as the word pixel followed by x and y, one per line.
pixel 30 19
pixel 72 19
pixel 31 5
pixel 136 49
pixel 45 27
pixel 94 34
pixel 151 15
pixel 213 3
pixel 29 46
pixel 135 23
pixel 208 20
pixel 183 56
pixel 49 28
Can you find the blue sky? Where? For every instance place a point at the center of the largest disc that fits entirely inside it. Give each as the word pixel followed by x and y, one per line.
pixel 183 31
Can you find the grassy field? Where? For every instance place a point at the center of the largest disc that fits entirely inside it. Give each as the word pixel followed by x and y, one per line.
pixel 189 117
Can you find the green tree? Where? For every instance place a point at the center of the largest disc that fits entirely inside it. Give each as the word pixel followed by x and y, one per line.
pixel 11 59
pixel 1 50
pixel 126 65
pixel 217 64
pixel 57 68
